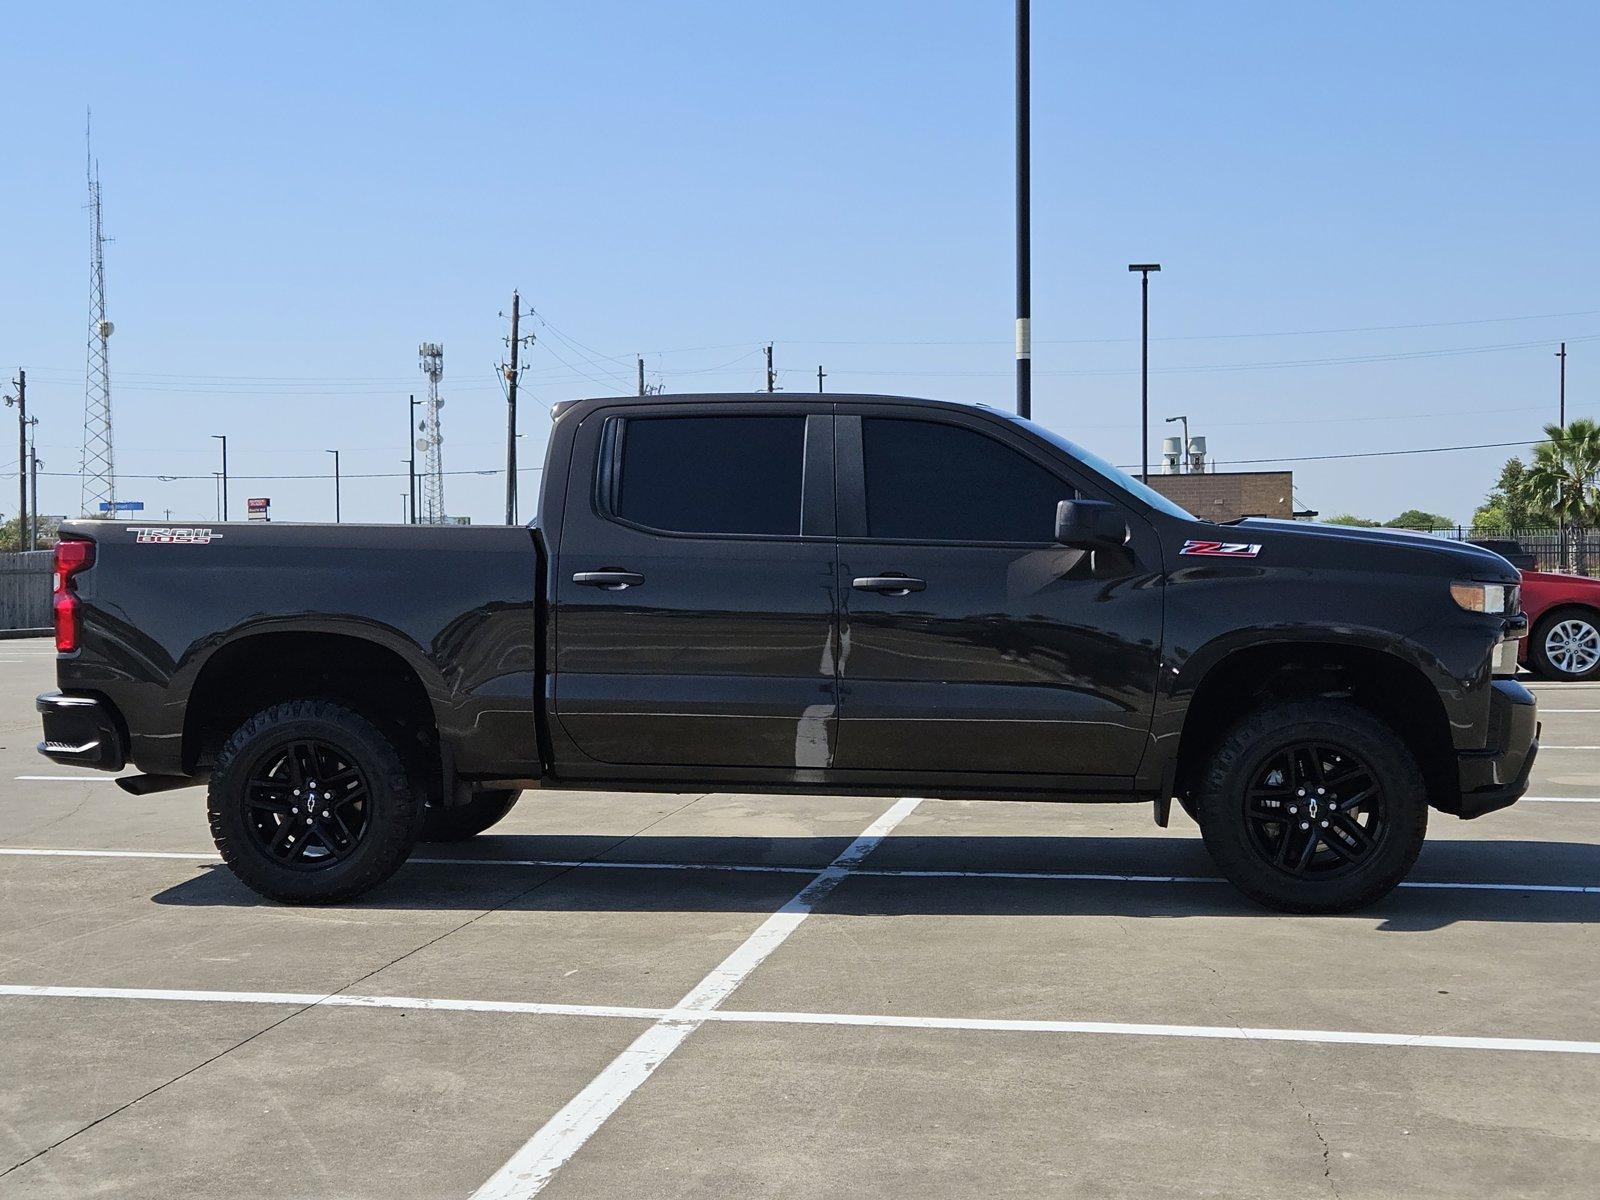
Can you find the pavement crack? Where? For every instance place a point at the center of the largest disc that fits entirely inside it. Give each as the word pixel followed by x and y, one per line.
pixel 1322 1142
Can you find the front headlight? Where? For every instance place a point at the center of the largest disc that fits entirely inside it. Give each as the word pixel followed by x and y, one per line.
pixel 1492 598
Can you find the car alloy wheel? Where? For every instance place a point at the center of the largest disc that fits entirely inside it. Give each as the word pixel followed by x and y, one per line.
pixel 1572 646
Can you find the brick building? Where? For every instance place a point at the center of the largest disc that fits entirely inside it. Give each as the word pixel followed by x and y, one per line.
pixel 1227 495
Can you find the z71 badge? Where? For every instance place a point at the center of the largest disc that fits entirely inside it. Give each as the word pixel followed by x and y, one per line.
pixel 174 536
pixel 1221 549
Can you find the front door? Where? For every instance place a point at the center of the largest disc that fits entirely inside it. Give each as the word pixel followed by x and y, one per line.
pixel 973 641
pixel 695 596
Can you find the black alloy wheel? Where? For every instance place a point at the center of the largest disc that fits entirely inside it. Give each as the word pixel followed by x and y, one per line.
pixel 307 805
pixel 1315 810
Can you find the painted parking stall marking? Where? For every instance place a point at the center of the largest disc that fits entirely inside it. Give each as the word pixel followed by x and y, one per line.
pixel 688 1017
pixel 532 1167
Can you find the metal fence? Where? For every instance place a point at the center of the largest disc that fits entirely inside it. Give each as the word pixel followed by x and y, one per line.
pixel 25 590
pixel 1581 546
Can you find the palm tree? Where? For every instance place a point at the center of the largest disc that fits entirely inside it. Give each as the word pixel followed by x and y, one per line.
pixel 1565 480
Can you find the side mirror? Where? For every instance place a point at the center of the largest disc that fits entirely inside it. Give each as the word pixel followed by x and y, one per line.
pixel 1090 525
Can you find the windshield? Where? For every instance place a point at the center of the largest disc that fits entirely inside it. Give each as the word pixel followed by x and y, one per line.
pixel 1111 474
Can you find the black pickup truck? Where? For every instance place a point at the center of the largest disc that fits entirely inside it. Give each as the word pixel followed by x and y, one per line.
pixel 843 594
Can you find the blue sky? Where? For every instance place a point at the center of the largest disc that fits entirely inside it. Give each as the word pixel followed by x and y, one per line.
pixel 301 193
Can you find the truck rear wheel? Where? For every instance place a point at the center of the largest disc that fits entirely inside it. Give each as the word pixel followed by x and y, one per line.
pixel 1313 806
pixel 310 804
pixel 462 821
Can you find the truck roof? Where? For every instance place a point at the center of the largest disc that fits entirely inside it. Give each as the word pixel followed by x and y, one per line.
pixel 562 407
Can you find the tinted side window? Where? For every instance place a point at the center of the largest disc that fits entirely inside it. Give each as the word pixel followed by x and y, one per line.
pixel 932 481
pixel 712 474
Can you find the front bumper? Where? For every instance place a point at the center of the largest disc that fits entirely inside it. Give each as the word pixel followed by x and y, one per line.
pixel 81 731
pixel 1497 775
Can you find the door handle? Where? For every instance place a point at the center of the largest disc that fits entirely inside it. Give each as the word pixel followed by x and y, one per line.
pixel 611 581
pixel 889 585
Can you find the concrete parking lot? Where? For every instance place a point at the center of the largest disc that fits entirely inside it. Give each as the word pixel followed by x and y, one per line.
pixel 629 995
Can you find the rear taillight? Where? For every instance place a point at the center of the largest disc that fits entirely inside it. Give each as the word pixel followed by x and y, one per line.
pixel 72 556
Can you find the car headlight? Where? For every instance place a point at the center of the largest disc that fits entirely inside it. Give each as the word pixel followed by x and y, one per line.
pixel 1492 598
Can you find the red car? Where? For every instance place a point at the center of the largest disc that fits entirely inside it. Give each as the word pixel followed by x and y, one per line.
pixel 1563 639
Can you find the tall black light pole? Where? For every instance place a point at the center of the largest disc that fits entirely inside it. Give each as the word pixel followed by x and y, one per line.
pixel 1144 270
pixel 223 438
pixel 411 441
pixel 337 515
pixel 1024 272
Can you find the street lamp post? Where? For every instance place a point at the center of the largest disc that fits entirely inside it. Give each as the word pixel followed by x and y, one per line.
pixel 411 441
pixel 337 516
pixel 223 438
pixel 1024 268
pixel 1144 270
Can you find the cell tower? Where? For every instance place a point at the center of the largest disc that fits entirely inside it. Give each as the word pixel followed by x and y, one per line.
pixel 96 469
pixel 431 359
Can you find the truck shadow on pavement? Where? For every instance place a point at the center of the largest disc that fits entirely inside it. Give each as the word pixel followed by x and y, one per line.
pixel 513 872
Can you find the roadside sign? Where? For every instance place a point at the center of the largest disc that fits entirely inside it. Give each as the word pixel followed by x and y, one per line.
pixel 258 506
pixel 122 506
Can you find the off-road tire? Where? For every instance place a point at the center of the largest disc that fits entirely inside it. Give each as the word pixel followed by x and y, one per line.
pixel 393 813
pixel 462 821
pixel 1222 795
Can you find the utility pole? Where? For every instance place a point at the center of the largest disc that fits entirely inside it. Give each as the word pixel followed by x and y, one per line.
pixel 772 376
pixel 820 378
pixel 412 429
pixel 513 374
pixel 337 515
pixel 21 402
pixel 223 438
pixel 1562 355
pixel 1024 267
pixel 1562 411
pixel 33 482
pixel 640 358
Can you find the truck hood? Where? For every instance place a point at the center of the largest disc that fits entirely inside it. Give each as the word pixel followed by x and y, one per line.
pixel 1467 560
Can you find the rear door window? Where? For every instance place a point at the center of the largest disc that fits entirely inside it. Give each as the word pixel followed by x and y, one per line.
pixel 712 474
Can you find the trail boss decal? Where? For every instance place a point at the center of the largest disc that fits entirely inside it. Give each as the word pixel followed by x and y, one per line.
pixel 174 536
pixel 1221 549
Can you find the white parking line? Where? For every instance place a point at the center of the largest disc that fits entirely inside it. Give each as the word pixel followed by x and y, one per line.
pixel 690 1017
pixel 1574 889
pixel 533 1166
pixel 1559 800
pixel 1547 711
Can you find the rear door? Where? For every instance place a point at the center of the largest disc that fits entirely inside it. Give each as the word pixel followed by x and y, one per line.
pixel 696 598
pixel 974 642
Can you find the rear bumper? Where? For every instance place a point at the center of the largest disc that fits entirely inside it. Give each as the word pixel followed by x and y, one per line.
pixel 1497 775
pixel 81 731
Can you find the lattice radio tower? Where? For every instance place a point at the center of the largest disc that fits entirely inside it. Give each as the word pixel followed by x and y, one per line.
pixel 97 478
pixel 431 359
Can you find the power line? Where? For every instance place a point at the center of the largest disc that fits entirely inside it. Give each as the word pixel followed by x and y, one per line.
pixel 265 478
pixel 1239 462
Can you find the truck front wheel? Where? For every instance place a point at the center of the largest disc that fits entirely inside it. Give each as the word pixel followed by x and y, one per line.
pixel 310 804
pixel 1313 806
